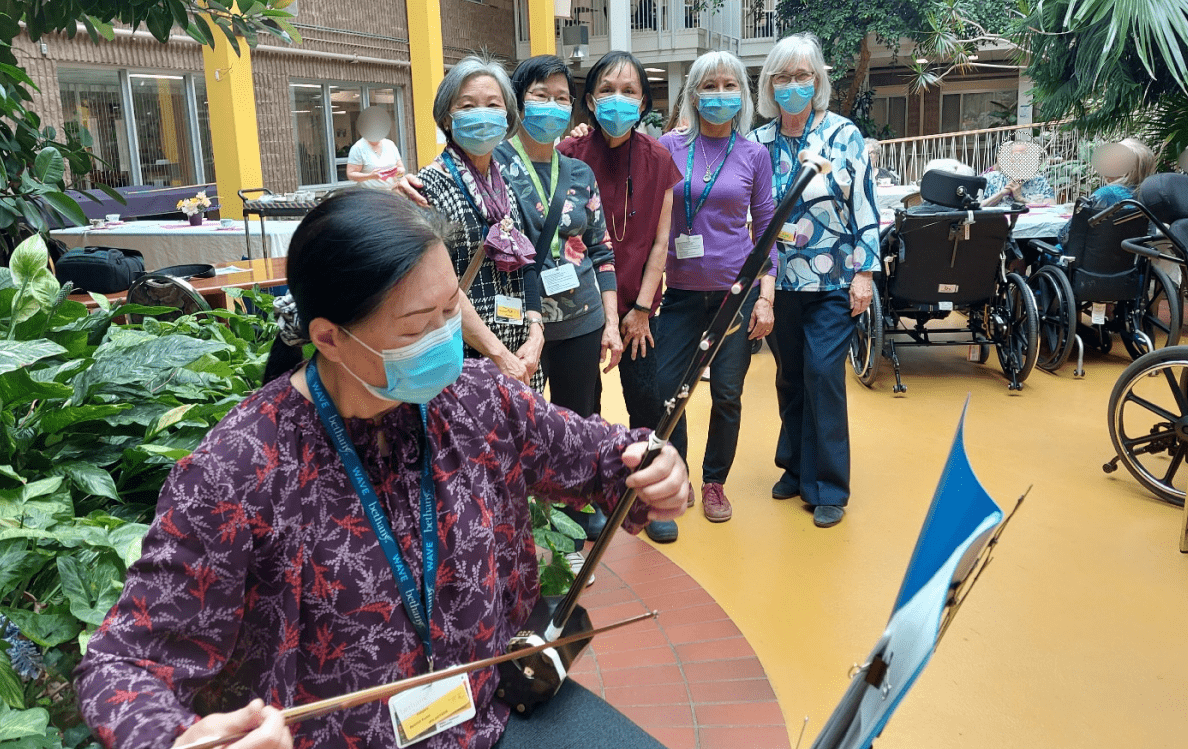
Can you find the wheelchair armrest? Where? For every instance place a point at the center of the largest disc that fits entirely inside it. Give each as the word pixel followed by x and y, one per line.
pixel 1046 248
pixel 1139 247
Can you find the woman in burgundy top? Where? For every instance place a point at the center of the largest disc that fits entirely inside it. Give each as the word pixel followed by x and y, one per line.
pixel 272 576
pixel 635 176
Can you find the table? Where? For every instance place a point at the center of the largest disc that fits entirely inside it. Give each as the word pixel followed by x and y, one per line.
pixel 165 243
pixel 241 274
pixel 891 196
pixel 1040 222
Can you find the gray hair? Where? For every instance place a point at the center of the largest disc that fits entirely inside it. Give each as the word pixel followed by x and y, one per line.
pixel 467 68
pixel 703 67
pixel 788 51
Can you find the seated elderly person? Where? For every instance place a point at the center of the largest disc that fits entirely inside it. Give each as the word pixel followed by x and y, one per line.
pixel 874 152
pixel 1123 166
pixel 1018 176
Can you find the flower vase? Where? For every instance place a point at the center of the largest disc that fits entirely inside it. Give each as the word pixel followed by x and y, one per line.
pixel 196 219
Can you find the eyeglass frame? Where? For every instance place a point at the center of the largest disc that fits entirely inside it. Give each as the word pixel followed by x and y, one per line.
pixel 801 78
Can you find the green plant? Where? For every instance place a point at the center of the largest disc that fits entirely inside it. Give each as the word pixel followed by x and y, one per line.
pixel 93 415
pixel 555 532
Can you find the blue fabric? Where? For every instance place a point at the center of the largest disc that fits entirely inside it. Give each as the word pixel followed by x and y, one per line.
pixel 810 341
pixel 684 317
pixel 833 233
pixel 638 379
pixel 575 719
pixel 1103 197
pixel 1034 190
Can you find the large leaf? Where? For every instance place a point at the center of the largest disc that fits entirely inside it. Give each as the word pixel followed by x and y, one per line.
pixel 17 563
pixel 17 354
pixel 67 206
pixel 29 260
pixel 11 693
pixel 141 358
pixel 60 418
pixel 88 478
pixel 19 387
pixel 47 630
pixel 92 591
pixel 49 167
pixel 126 541
pixel 16 724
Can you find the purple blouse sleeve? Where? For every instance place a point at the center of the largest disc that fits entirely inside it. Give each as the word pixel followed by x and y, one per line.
pixel 762 205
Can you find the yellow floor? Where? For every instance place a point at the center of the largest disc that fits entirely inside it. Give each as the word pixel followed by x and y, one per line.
pixel 1077 636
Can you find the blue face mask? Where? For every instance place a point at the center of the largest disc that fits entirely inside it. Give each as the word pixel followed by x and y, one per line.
pixel 418 372
pixel 545 122
pixel 794 97
pixel 617 114
pixel 719 107
pixel 478 130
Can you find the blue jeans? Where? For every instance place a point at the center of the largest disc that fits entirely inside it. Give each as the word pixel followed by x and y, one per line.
pixel 684 317
pixel 810 341
pixel 638 378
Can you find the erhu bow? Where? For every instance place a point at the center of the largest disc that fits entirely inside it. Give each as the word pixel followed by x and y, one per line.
pixel 529 681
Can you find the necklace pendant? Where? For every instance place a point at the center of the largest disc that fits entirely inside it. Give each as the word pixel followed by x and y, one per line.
pixel 706 178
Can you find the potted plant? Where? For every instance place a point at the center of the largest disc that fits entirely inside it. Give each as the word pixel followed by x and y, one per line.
pixel 195 207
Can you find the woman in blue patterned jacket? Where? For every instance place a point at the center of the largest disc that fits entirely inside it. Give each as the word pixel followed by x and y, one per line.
pixel 828 252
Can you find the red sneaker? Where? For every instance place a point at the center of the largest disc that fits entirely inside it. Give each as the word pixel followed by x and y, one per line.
pixel 714 503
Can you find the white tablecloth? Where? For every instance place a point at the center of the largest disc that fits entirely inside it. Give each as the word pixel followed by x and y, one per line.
pixel 165 243
pixel 1040 222
pixel 892 196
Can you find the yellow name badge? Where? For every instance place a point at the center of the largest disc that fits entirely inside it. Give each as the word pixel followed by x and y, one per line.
pixel 427 711
pixel 509 309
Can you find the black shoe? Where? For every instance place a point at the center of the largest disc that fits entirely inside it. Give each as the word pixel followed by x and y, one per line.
pixel 785 489
pixel 591 522
pixel 662 531
pixel 827 516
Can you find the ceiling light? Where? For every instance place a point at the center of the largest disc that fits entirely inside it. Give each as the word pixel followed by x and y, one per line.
pixel 655 70
pixel 972 57
pixel 921 61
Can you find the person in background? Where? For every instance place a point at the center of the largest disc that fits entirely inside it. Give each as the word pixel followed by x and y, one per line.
pixel 999 187
pixel 874 153
pixel 576 263
pixel 828 253
pixel 501 319
pixel 290 561
pixel 374 161
pixel 635 176
pixel 724 176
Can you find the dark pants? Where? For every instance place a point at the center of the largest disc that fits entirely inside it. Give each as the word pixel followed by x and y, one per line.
pixel 571 369
pixel 684 317
pixel 810 341
pixel 638 378
pixel 575 719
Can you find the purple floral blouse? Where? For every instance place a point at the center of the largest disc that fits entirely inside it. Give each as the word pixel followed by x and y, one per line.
pixel 261 577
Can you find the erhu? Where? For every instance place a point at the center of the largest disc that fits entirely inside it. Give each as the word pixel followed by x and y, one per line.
pixel 529 681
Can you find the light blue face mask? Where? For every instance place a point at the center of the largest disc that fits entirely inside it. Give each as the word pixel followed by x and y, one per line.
pixel 546 121
pixel 719 107
pixel 418 372
pixel 794 97
pixel 617 114
pixel 478 130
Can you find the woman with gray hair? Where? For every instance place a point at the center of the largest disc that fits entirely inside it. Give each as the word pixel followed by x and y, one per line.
pixel 828 250
pixel 724 176
pixel 475 108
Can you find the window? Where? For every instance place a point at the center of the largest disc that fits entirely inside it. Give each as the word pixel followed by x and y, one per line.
pixel 325 117
pixel 147 128
pixel 890 111
pixel 978 110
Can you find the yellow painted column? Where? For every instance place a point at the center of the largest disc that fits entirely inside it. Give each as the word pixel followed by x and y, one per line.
pixel 542 33
pixel 234 134
pixel 428 68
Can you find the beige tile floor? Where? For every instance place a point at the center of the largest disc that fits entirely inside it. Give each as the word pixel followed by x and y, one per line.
pixel 1077 634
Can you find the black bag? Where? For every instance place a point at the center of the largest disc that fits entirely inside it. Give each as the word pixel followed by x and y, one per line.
pixel 103 270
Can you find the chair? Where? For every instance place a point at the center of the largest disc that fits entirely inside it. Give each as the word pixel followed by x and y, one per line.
pixel 157 290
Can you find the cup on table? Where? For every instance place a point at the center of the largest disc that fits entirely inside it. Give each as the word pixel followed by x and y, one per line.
pixel 112 218
pixel 97 223
pixel 227 223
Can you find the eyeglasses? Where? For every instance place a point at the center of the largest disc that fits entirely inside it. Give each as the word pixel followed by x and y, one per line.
pixel 801 78
pixel 540 97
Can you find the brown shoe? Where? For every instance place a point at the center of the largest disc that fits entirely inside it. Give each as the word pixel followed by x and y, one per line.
pixel 714 503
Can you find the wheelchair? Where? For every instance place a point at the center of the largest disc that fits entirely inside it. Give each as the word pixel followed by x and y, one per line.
pixel 1093 277
pixel 1148 408
pixel 947 255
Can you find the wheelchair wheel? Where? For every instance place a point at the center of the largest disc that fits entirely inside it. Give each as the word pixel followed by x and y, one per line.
pixel 1015 331
pixel 866 344
pixel 1057 320
pixel 1157 315
pixel 1148 419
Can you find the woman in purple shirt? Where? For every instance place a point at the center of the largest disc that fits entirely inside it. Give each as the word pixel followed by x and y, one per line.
pixel 272 576
pixel 725 176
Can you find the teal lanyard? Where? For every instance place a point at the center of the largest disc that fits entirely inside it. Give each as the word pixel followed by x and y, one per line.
pixel 690 211
pixel 419 609
pixel 453 169
pixel 545 200
pixel 782 185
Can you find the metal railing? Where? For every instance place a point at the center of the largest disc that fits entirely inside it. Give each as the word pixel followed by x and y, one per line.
pixel 1067 169
pixel 759 19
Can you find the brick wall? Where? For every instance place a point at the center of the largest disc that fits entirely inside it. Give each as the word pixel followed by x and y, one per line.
pixel 468 26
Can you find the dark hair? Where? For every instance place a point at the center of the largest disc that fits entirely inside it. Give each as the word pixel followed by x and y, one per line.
pixel 610 62
pixel 539 68
pixel 346 254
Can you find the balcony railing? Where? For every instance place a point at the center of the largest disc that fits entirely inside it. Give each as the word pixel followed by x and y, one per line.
pixel 1067 170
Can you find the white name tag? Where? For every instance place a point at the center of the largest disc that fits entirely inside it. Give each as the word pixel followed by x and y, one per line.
pixel 559 280
pixel 1099 313
pixel 426 711
pixel 945 306
pixel 689 246
pixel 509 309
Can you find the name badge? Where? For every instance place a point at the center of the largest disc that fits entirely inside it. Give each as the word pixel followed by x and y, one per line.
pixel 426 711
pixel 689 246
pixel 787 236
pixel 559 280
pixel 1098 315
pixel 509 309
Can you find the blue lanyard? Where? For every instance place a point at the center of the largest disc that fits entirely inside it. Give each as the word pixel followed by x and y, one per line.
pixel 419 612
pixel 449 162
pixel 783 184
pixel 690 211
